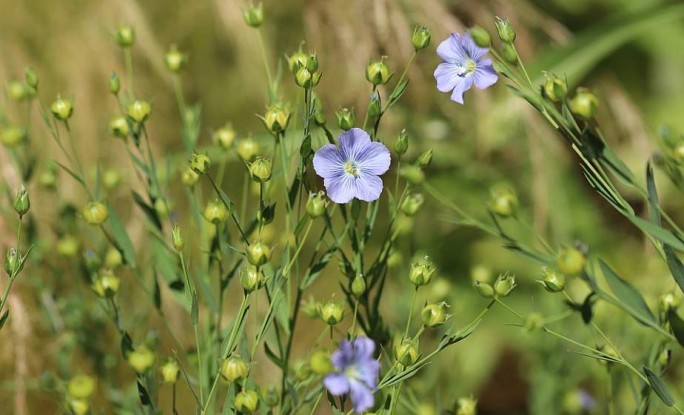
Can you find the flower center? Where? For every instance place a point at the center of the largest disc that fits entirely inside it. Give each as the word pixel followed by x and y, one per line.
pixel 351 168
pixel 467 68
pixel 352 373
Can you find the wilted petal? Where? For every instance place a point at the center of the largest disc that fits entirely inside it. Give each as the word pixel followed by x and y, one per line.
pixel 461 88
pixel 374 159
pixel 328 161
pixel 475 52
pixel 485 75
pixel 451 50
pixel 337 384
pixel 353 142
pixel 361 396
pixel 367 187
pixel 340 188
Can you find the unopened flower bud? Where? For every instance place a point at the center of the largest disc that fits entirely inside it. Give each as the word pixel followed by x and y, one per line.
pixel 125 36
pixel 62 108
pixel 332 313
pixel 485 289
pixel 320 363
pixel 224 136
pixel 319 117
pixel 95 213
pixel 276 119
pixel 504 285
pixel 570 261
pixel 175 60
pixel 413 174
pixel 665 357
pixel 251 278
pixel 316 205
pixel 358 286
pixel 270 396
pixel 425 159
pixel 92 260
pixel 189 177
pixel 502 200
pixel 169 371
pixel 114 84
pixel 421 38
pixel 312 62
pixel 177 238
pixel 303 77
pixel 584 104
pixel 247 401
pixel 466 405
pixel 480 36
pixel 13 262
pixel 13 135
pixel 406 352
pixel 31 77
pixel 345 119
pixel 412 203
pixel 254 15
pixel 534 322
pixel 247 149
pixel 297 60
pixel 260 170
pixel 505 30
pixel 234 369
pixel 81 387
pixel 552 280
pixel 141 359
pixel 402 143
pixel 509 54
pixel 79 406
pixel 311 308
pixel 200 163
pixel 668 302
pixel 20 91
pixel 215 212
pixel 118 127
pixel 139 110
pixel 378 73
pixel 434 315
pixel 22 203
pixel 422 271
pixel 375 106
pixel 106 285
pixel 258 253
pixel 113 258
pixel 555 88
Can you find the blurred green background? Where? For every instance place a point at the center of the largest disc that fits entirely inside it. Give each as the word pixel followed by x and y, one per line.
pixel 628 51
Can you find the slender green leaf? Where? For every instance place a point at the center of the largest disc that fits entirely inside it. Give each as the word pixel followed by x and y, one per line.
pixel 3 319
pixel 630 298
pixel 661 234
pixel 677 325
pixel 659 387
pixel 653 212
pixel 675 265
pixel 121 238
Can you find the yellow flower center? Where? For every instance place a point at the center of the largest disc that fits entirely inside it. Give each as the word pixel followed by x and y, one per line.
pixel 351 168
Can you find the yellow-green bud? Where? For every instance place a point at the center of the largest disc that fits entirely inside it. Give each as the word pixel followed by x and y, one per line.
pixel 189 177
pixel 485 289
pixel 114 84
pixel 413 174
pixel 534 322
pixel 277 118
pixel 395 259
pixel 665 357
pixel 297 60
pixel 79 406
pixel 358 286
pixel 68 245
pixel 412 203
pixel 570 261
pixel 480 36
pixel 260 170
pixel 668 302
pixel 270 396
pixel 678 154
pixel 584 104
pixel 332 313
pixel 81 387
pixel 421 38
pixel 95 213
pixel 320 363
pixel 106 285
pixel 434 315
pixel 316 205
pixel 258 253
pixel 312 62
pixel 509 54
pixel 31 77
pixel 22 203
pixel 466 405
pixel 62 108
pixel 254 15
pixel 113 258
pixel 502 200
pixel 200 163
pixel 311 308
pixel 505 30
pixel 177 238
pixel 251 278
pixel 125 36
pixel 247 401
pixel 224 136
pixel 139 110
pixel 345 119
pixel 303 77
pixel 13 262
pixel 552 280
pixel 169 371
pixel 375 105
pixel 422 271
pixel 504 285
pixel 141 359
pixel 425 159
pixel 19 91
pixel 406 352
pixel 13 135
pixel 247 149
pixel 234 369
pixel 378 73
pixel 92 260
pixel 175 60
pixel 402 143
pixel 48 177
pixel 555 88
pixel 111 179
pixel 215 212
pixel 118 127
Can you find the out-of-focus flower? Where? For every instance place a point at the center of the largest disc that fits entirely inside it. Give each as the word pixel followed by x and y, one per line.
pixel 464 66
pixel 356 372
pixel 353 170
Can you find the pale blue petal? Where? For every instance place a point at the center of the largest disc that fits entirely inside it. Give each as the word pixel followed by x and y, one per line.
pixel 337 384
pixel 451 50
pixel 328 161
pixel 353 142
pixel 367 187
pixel 374 159
pixel 485 75
pixel 364 348
pixel 447 76
pixel 361 396
pixel 461 88
pixel 343 356
pixel 340 188
pixel 368 371
pixel 474 52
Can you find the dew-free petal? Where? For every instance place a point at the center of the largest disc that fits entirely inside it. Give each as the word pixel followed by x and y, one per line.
pixel 367 187
pixel 374 159
pixel 485 75
pixel 336 383
pixel 460 89
pixel 353 142
pixel 328 161
pixel 451 50
pixel 340 188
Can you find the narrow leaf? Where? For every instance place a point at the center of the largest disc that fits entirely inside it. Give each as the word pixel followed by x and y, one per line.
pixel 653 212
pixel 630 298
pixel 3 319
pixel 121 238
pixel 677 325
pixel 675 265
pixel 659 387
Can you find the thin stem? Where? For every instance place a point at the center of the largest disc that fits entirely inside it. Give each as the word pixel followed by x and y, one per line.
pixel 262 47
pixel 408 321
pixel 129 71
pixel 289 265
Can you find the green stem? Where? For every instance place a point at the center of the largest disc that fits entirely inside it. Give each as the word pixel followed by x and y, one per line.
pixel 289 265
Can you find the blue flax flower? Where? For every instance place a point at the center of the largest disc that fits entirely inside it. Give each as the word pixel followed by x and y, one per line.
pixel 352 170
pixel 463 66
pixel 356 372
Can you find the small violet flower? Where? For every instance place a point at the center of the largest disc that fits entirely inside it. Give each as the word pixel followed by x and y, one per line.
pixel 352 170
pixel 356 372
pixel 463 66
